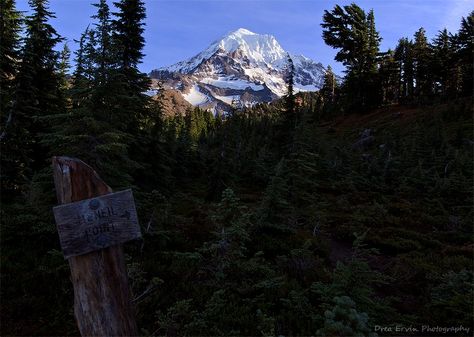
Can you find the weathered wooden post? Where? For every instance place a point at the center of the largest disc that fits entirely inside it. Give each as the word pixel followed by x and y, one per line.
pixel 91 233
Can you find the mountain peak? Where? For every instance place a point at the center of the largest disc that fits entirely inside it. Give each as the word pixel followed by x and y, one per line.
pixel 241 66
pixel 241 31
pixel 259 48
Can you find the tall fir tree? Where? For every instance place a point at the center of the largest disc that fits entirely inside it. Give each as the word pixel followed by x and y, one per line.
pixel 10 28
pixel 37 95
pixel 328 91
pixel 10 24
pixel 373 93
pixel 404 57
pixel 444 67
pixel 422 62
pixel 84 70
pixel 128 29
pixel 105 57
pixel 128 32
pixel 107 135
pixel 465 53
pixel 327 100
pixel 373 43
pixel 95 129
pixel 353 32
pixel 290 81
pixel 288 117
pixel 64 67
pixel 38 81
pixel 389 77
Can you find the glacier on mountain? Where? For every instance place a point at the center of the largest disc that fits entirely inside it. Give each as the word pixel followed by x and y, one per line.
pixel 244 65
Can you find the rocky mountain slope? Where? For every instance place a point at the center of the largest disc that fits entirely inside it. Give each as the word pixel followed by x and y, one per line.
pixel 242 68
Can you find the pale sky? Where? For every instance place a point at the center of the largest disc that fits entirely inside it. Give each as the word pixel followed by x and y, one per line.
pixel 179 29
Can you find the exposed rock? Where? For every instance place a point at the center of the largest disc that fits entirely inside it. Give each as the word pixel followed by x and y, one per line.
pixel 242 66
pixel 172 103
pixel 365 140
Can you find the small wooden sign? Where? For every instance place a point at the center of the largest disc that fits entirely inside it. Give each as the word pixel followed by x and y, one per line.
pixel 97 223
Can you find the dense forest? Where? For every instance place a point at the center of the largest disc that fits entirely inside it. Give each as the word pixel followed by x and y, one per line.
pixel 326 213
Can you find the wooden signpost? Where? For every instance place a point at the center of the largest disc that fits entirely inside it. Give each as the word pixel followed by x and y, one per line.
pixel 97 223
pixel 91 232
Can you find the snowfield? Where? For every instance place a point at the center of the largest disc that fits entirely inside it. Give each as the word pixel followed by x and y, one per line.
pixel 231 83
pixel 242 62
pixel 195 96
pixel 228 99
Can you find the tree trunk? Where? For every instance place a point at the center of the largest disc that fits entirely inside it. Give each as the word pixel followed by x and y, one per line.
pixel 102 304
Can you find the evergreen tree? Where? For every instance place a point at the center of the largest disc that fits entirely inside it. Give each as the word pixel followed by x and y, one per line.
pixel 276 208
pixel 37 96
pixel 186 148
pixel 130 83
pixel 422 63
pixel 288 116
pixel 441 62
pixel 38 93
pixel 64 97
pixel 373 43
pixel 344 320
pixel 96 129
pixel 389 77
pixel 371 78
pixel 128 32
pixel 84 71
pixel 157 156
pixel 128 28
pixel 465 54
pixel 231 221
pixel 353 32
pixel 217 160
pixel 340 30
pixel 11 169
pixel 63 69
pixel 290 81
pixel 10 27
pixel 449 297
pixel 328 91
pixel 80 56
pixel 103 55
pixel 73 132
pixel 404 57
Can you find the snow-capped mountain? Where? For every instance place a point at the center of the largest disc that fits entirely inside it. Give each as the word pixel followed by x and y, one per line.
pixel 243 67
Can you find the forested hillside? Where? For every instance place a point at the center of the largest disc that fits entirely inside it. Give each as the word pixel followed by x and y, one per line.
pixel 326 213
